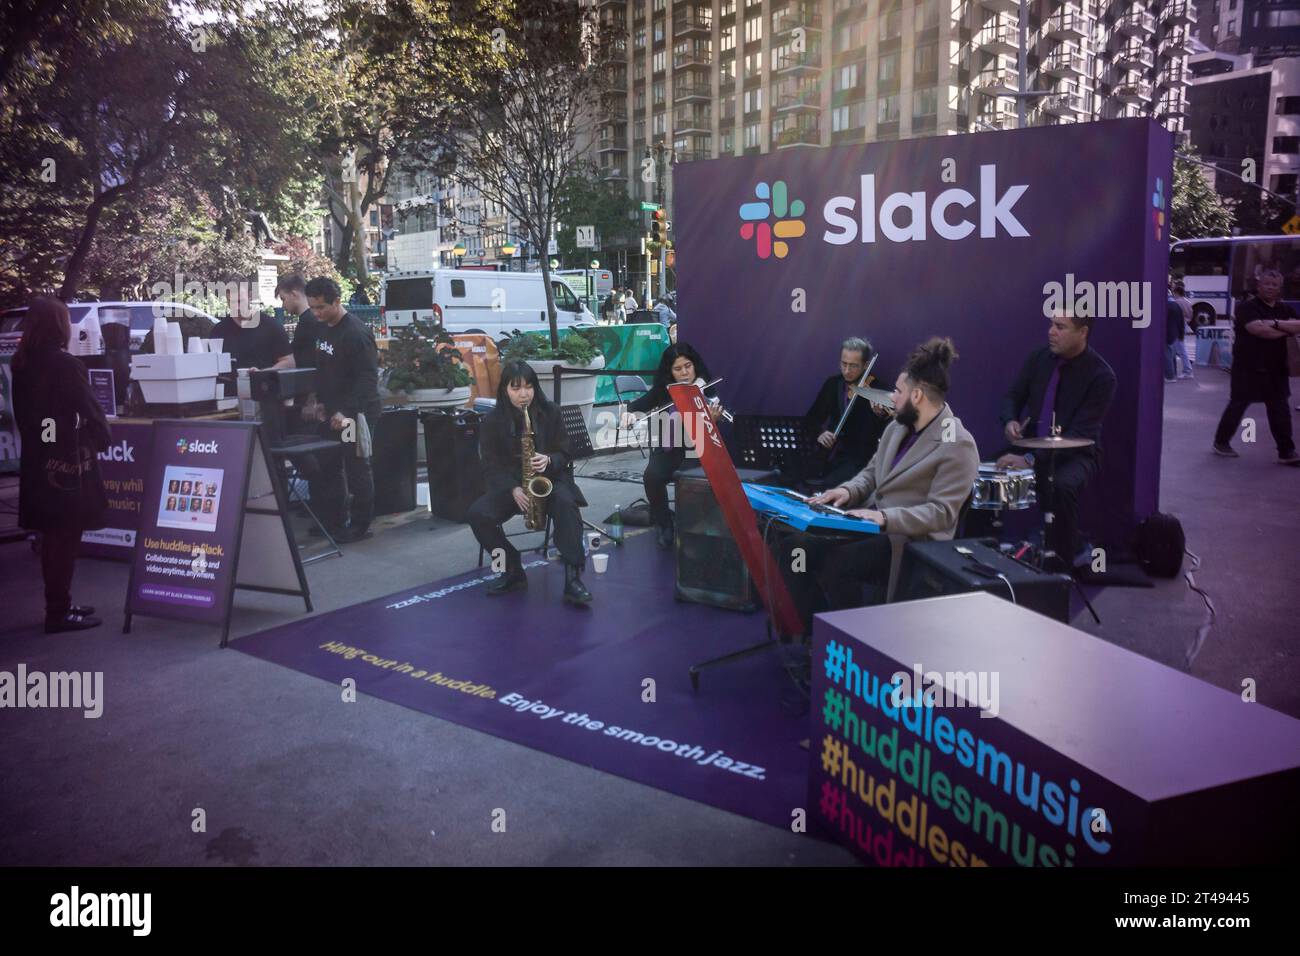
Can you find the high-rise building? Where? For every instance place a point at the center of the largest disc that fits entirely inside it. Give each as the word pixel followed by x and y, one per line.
pixel 711 78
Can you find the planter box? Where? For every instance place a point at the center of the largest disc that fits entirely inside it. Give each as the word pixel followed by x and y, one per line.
pixel 574 389
pixel 425 398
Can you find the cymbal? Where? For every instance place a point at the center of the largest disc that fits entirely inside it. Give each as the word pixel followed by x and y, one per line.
pixel 1049 442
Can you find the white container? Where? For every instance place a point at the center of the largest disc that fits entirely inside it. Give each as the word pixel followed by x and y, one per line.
pixel 159 335
pixel 196 346
pixel 214 345
pixel 175 379
pixel 600 562
pixel 92 337
pixel 175 340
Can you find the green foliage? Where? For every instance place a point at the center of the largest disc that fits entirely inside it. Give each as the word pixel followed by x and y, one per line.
pixel 417 363
pixel 587 200
pixel 1196 211
pixel 577 347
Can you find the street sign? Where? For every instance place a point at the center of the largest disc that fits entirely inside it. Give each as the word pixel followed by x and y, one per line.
pixel 586 237
pixel 552 247
pixel 650 206
pixel 669 226
pixel 1292 226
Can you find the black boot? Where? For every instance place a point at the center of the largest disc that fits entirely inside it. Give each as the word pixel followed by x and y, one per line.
pixel 575 592
pixel 513 579
pixel 664 534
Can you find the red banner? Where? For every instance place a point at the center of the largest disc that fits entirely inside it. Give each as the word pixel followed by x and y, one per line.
pixel 735 507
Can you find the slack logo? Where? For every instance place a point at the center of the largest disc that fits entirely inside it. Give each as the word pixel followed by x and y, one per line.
pixel 918 212
pixel 122 452
pixel 196 447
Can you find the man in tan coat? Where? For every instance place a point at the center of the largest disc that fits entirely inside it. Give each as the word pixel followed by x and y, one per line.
pixel 914 485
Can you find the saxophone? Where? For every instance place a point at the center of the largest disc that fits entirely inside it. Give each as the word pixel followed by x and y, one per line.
pixel 535 486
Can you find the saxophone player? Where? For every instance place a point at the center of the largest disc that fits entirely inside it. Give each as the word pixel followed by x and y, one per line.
pixel 501 441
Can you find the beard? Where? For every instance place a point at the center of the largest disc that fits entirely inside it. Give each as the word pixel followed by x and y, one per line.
pixel 907 416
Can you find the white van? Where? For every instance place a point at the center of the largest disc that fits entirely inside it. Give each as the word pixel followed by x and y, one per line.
pixel 472 300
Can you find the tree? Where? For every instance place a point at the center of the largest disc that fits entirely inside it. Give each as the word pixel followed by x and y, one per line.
pixel 587 200
pixel 515 139
pixel 393 65
pixel 1196 211
pixel 134 100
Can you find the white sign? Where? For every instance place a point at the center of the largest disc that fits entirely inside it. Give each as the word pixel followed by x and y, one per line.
pixel 267 277
pixel 552 247
pixel 586 237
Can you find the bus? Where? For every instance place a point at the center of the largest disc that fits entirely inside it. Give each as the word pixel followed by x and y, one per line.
pixel 1220 272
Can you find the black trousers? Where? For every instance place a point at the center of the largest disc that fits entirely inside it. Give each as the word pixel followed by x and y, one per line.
pixel 659 471
pixel 337 475
pixel 1072 475
pixel 833 571
pixel 488 513
pixel 1274 391
pixel 841 469
pixel 58 561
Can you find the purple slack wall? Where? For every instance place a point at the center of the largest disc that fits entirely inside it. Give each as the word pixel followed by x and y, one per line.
pixel 961 236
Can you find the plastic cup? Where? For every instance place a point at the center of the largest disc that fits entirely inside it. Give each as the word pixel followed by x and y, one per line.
pixel 600 562
pixel 594 541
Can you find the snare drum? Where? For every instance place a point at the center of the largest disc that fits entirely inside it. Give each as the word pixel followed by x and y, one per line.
pixel 1012 490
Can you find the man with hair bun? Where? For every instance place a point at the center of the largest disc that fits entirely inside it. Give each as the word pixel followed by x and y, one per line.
pixel 914 485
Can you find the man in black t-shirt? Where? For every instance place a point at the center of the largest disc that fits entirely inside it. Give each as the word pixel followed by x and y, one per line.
pixel 346 407
pixel 254 341
pixel 292 293
pixel 1259 367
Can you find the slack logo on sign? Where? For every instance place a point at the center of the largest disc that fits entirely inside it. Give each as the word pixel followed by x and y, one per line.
pixel 196 447
pixel 994 211
pixel 120 452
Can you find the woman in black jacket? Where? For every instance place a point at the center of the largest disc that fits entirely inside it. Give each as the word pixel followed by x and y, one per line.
pixel 499 446
pixel 62 427
pixel 679 363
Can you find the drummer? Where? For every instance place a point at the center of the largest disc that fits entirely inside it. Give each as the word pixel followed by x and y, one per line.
pixel 1066 381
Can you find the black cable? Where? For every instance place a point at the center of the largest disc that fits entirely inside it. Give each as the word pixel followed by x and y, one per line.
pixel 1203 631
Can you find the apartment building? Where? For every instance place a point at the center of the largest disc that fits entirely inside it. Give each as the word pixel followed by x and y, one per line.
pixel 735 77
pixel 441 223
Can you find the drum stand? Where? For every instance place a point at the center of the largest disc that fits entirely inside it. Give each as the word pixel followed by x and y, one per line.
pixel 1048 517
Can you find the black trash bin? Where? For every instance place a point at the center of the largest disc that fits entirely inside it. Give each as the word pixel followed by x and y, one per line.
pixel 393 460
pixel 451 454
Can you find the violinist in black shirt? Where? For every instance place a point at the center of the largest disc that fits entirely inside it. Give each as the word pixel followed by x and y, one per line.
pixel 501 447
pixel 1065 381
pixel 848 453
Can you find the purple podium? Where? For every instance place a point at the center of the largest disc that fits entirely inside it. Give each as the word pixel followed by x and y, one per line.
pixel 966 731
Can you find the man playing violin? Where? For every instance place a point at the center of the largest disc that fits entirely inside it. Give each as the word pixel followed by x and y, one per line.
pixel 914 486
pixel 860 435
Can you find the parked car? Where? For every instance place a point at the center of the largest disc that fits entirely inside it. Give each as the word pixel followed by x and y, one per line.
pixel 136 316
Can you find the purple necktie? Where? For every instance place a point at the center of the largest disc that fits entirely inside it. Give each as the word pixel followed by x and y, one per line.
pixel 1049 402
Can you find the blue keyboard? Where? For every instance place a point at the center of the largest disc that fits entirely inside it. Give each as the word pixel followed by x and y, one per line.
pixel 794 511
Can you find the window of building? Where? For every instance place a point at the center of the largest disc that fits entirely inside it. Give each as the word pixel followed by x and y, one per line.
pixel 657 93
pixel 850 36
pixel 727 38
pixel 726 8
pixel 846 77
pixel 887 109
pixel 659 31
pixel 927 60
pixel 753 100
pixel 753 64
pixel 638 71
pixel 660 61
pixel 659 124
pixel 752 135
pixel 892 25
pixel 887 72
pixel 925 102
pixel 753 30
pixel 1288 105
pixel 1286 144
pixel 640 100
pixel 839 118
pixel 638 38
pixel 659 6
pixel 727 70
pixel 927 14
pixel 728 142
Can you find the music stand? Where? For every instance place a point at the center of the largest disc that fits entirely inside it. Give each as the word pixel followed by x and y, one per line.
pixel 575 426
pixel 780 442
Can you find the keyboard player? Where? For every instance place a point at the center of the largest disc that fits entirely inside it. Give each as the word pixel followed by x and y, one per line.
pixel 914 485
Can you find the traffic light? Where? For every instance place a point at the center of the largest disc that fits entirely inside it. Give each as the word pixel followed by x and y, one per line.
pixel 658 231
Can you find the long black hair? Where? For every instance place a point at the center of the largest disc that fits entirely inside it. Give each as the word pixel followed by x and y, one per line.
pixel 46 328
pixel 517 373
pixel 664 373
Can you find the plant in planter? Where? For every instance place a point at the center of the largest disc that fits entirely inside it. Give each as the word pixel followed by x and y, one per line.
pixel 577 348
pixel 416 364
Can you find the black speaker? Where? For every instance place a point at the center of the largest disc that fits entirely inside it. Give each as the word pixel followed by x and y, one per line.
pixel 393 460
pixel 710 569
pixel 934 568
pixel 451 454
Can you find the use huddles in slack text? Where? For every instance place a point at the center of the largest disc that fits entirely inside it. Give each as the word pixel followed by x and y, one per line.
pixel 877 739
